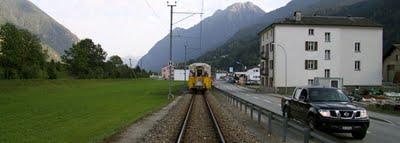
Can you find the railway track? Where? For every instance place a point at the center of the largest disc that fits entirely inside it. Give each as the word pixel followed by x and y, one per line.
pixel 200 124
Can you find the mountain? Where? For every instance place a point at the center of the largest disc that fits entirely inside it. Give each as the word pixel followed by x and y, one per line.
pixel 244 47
pixel 216 29
pixel 24 14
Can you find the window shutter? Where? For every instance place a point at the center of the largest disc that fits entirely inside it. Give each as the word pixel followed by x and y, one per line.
pixel 306 45
pixel 305 65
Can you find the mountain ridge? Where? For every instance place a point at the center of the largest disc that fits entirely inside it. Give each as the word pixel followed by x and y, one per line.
pixel 216 29
pixel 24 14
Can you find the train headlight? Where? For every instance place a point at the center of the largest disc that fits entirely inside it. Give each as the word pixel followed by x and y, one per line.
pixel 324 113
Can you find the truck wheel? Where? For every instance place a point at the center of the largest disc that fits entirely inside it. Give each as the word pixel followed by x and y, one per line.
pixel 359 134
pixel 311 122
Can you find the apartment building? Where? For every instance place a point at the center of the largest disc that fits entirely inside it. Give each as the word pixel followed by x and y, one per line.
pixel 345 51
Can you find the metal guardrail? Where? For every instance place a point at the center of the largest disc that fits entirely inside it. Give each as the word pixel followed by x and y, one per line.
pixel 307 132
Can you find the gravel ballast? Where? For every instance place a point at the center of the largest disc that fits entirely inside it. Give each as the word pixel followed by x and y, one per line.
pixel 167 129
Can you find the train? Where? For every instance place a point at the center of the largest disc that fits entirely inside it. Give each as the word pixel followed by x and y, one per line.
pixel 200 78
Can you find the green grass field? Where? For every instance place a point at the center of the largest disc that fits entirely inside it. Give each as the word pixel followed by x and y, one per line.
pixel 75 110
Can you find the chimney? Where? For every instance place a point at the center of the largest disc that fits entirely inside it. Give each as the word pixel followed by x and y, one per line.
pixel 297 16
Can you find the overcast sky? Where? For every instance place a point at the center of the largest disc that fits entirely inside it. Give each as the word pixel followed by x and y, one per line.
pixel 129 28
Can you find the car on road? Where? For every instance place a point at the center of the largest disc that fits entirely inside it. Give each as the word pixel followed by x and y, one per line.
pixel 326 109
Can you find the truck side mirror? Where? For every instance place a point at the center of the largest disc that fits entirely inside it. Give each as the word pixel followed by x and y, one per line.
pixel 302 98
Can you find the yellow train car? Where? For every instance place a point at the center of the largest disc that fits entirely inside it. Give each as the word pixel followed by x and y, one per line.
pixel 200 79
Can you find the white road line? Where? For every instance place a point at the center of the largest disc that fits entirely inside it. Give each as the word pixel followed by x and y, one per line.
pixel 265 100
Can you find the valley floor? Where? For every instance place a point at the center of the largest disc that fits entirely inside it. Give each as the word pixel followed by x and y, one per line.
pixel 75 110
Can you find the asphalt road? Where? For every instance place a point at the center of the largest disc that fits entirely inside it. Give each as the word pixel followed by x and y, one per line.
pixel 378 131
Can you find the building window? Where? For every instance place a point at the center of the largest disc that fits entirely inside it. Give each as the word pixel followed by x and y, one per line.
pixel 271 64
pixel 310 82
pixel 357 47
pixel 327 54
pixel 327 37
pixel 311 32
pixel 357 65
pixel 271 48
pixel 327 73
pixel 311 64
pixel 397 57
pixel 311 46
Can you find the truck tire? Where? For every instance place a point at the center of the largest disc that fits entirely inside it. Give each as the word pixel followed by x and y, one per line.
pixel 286 112
pixel 311 122
pixel 359 134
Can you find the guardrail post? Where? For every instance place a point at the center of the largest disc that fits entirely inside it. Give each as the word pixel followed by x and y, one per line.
pixel 240 103
pixel 285 126
pixel 269 123
pixel 307 132
pixel 245 108
pixel 251 111
pixel 259 116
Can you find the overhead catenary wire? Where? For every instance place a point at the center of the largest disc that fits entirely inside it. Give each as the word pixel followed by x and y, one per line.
pixel 152 9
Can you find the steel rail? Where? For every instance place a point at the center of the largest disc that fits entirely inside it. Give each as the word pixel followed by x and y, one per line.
pixel 184 125
pixel 215 121
pixel 185 122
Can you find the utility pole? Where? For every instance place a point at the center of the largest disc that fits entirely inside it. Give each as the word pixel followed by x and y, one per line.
pixel 170 95
pixel 184 69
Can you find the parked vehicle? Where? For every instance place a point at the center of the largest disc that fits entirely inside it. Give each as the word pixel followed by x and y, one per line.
pixel 327 109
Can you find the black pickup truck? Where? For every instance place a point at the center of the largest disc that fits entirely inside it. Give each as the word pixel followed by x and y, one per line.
pixel 326 109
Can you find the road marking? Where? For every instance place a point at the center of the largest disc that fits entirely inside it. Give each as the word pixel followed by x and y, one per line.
pixel 265 100
pixel 256 97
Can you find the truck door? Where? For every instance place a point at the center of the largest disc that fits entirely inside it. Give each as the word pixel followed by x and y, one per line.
pixel 294 105
pixel 303 105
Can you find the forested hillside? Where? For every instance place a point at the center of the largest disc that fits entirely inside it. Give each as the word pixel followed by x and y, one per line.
pixel 24 14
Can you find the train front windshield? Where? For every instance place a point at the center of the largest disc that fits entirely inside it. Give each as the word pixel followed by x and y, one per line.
pixel 199 72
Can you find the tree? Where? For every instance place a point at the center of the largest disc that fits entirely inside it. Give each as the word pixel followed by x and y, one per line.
pixel 22 55
pixel 85 59
pixel 116 61
pixel 52 70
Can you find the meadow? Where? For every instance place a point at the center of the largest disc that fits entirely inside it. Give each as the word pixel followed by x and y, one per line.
pixel 75 110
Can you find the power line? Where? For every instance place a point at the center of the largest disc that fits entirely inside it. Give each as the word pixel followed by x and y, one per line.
pixel 152 9
pixel 201 24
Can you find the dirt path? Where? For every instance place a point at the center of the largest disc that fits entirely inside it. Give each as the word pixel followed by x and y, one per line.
pixel 136 132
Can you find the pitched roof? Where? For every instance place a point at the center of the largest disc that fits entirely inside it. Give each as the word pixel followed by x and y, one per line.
pixel 327 21
pixel 390 51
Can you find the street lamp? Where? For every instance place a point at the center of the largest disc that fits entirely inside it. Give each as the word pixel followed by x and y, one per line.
pixel 284 51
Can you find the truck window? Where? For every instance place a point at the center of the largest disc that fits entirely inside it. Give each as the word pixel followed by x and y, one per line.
pixel 303 95
pixel 297 94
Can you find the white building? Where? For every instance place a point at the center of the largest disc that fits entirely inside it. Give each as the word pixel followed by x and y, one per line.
pixel 179 74
pixel 220 75
pixel 346 50
pixel 253 74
